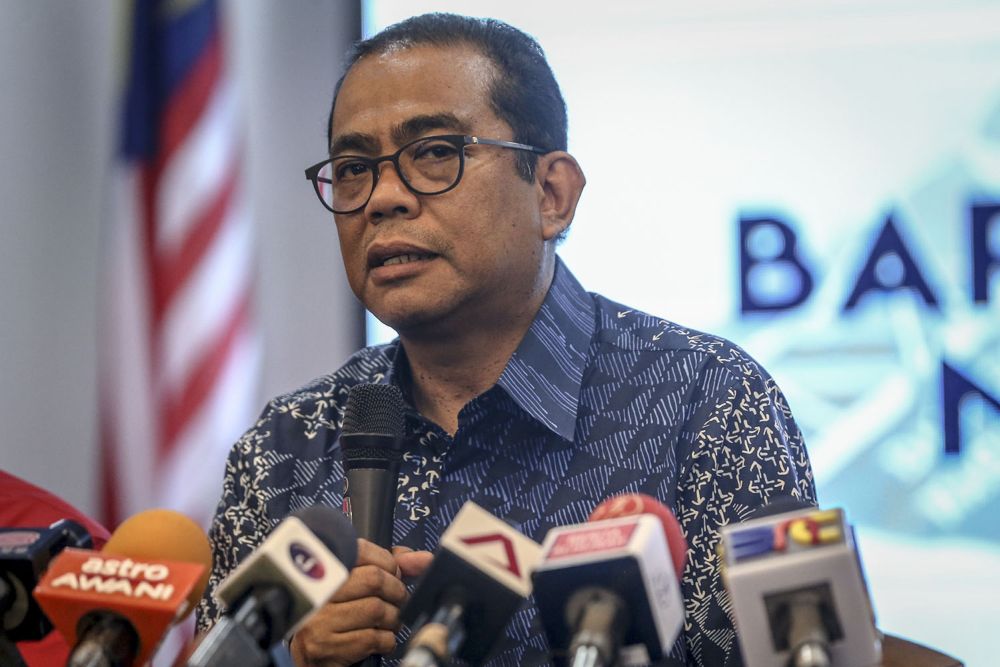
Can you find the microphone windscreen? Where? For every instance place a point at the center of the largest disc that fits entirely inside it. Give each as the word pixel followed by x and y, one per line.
pixel 374 409
pixel 161 534
pixel 631 504
pixel 334 530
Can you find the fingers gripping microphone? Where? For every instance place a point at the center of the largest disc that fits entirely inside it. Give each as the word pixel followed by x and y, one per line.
pixel 607 590
pixel 798 590
pixel 114 606
pixel 371 440
pixel 300 566
pixel 480 575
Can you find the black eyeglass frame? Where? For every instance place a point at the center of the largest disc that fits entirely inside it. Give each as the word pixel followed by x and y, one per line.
pixel 460 141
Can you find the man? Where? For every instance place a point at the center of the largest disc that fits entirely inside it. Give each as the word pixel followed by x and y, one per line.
pixel 450 186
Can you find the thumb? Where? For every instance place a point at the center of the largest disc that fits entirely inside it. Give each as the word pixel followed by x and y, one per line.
pixel 412 563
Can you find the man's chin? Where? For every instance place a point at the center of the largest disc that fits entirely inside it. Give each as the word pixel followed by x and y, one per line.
pixel 434 321
pixel 408 320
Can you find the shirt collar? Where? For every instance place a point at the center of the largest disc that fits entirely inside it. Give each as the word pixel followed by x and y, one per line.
pixel 398 372
pixel 545 373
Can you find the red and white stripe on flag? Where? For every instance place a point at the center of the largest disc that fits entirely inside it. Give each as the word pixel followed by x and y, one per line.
pixel 179 352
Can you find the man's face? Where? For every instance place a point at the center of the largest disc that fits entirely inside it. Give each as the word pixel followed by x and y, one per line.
pixel 475 253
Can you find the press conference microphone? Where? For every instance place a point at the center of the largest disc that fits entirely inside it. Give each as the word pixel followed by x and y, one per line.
pixel 798 590
pixel 607 591
pixel 371 440
pixel 115 605
pixel 25 554
pixel 300 566
pixel 480 575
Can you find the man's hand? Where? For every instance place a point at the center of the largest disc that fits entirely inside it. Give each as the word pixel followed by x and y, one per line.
pixel 362 618
pixel 412 563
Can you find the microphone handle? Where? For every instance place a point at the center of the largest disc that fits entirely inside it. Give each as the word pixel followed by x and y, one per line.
pixel 372 503
pixel 807 636
pixel 435 643
pixel 598 617
pixel 371 463
pixel 372 498
pixel 106 639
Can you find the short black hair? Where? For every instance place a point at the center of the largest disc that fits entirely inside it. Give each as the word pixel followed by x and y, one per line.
pixel 524 92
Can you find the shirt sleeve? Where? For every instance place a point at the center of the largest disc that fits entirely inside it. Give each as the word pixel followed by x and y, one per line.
pixel 747 451
pixel 240 522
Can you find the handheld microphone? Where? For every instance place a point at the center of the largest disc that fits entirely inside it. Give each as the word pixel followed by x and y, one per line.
pixel 798 590
pixel 371 440
pixel 607 591
pixel 25 554
pixel 115 605
pixel 480 575
pixel 300 566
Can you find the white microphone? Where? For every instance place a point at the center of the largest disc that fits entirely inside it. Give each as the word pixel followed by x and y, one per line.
pixel 798 591
pixel 480 575
pixel 297 569
pixel 607 590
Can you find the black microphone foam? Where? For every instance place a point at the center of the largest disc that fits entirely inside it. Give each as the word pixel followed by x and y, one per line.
pixel 374 408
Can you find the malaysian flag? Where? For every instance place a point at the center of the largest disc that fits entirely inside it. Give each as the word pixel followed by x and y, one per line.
pixel 179 349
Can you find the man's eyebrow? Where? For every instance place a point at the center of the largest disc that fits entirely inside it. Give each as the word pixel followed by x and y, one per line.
pixel 408 130
pixel 414 128
pixel 354 142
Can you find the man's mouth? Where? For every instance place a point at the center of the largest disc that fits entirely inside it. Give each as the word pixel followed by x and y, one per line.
pixel 405 259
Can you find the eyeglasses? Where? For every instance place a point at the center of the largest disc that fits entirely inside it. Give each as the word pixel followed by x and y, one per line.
pixel 427 166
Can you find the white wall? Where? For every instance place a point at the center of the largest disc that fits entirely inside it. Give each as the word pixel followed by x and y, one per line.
pixel 59 69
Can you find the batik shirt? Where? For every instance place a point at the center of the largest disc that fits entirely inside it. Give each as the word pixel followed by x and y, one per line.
pixel 597 400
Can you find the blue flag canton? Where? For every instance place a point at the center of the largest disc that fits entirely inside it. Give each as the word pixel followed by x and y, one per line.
pixel 166 44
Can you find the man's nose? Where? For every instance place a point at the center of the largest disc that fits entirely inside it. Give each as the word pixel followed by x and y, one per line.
pixel 391 196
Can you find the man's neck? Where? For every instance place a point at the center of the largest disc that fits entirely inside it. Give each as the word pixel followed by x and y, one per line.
pixel 446 377
pixel 450 369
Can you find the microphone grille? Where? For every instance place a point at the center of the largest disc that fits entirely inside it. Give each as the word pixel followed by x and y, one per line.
pixel 375 409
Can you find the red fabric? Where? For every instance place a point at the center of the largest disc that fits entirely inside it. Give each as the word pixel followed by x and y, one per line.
pixel 24 505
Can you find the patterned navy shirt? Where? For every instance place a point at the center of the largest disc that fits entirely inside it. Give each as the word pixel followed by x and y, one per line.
pixel 597 400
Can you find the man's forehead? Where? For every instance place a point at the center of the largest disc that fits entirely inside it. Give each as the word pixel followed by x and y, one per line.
pixel 397 95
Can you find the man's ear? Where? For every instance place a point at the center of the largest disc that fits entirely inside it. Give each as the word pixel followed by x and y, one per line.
pixel 560 182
